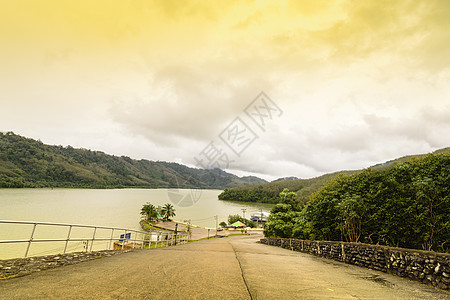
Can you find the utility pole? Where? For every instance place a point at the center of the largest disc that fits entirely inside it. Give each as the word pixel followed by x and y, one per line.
pixel 243 212
pixel 188 227
pixel 260 210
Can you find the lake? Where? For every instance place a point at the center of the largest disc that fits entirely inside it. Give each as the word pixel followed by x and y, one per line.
pixel 113 207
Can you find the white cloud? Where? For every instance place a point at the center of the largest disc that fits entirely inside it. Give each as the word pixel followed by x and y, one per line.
pixel 359 83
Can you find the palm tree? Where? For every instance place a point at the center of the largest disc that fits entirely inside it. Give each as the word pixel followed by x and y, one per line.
pixel 168 211
pixel 149 211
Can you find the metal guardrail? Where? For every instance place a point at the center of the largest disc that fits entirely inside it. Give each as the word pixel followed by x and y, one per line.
pixel 163 239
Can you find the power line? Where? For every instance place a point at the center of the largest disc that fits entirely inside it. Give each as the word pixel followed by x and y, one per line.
pixel 203 219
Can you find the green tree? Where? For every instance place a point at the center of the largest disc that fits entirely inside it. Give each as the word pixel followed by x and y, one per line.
pixel 168 211
pixel 149 212
pixel 431 185
pixel 322 211
pixel 352 209
pixel 284 216
pixel 289 198
pixel 281 221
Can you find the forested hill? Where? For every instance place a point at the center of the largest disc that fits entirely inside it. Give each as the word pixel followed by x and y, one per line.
pixel 26 162
pixel 269 192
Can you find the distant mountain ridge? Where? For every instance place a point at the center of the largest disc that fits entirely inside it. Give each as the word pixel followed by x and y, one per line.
pixel 26 162
pixel 285 179
pixel 392 162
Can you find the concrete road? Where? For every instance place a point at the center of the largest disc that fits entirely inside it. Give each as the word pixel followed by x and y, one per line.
pixel 275 273
pixel 226 268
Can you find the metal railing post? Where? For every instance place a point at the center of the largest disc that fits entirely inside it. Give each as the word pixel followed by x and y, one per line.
pixel 124 237
pixel 93 238
pixel 111 238
pixel 31 239
pixel 157 238
pixel 67 240
pixel 135 237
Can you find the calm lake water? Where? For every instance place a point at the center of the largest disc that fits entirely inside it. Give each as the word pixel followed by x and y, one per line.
pixel 115 208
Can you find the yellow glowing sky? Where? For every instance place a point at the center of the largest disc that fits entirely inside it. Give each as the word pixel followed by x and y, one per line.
pixel 359 82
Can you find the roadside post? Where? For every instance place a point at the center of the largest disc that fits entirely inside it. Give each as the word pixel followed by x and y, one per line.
pixel 176 231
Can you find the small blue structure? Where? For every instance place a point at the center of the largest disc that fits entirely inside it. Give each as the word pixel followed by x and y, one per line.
pixel 126 236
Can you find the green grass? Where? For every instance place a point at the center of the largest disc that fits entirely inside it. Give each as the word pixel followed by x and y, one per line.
pixel 238 234
pixel 8 276
pixel 148 226
pixel 157 245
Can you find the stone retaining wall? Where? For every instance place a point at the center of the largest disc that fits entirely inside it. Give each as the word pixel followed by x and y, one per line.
pixel 425 266
pixel 23 266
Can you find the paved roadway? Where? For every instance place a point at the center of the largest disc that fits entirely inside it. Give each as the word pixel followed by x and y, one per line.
pixel 225 268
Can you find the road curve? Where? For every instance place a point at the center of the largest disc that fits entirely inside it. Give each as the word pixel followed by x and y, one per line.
pixel 226 268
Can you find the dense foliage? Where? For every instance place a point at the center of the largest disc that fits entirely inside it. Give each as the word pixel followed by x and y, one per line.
pixel 150 212
pixel 270 192
pixel 404 206
pixel 30 163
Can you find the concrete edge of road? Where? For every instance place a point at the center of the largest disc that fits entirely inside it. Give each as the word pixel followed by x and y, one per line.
pixel 18 267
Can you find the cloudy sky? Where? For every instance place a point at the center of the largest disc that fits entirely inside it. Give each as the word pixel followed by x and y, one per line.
pixel 352 83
